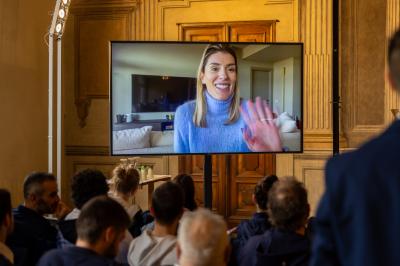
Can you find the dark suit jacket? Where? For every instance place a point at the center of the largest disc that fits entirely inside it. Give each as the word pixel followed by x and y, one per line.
pixel 33 235
pixel 358 220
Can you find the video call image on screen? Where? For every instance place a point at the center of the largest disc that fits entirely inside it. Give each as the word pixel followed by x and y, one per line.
pixel 199 98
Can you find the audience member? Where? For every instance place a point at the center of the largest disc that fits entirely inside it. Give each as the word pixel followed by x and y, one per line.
pixel 202 239
pixel 157 247
pixel 285 243
pixel 101 227
pixel 86 185
pixel 125 183
pixel 33 234
pixel 6 227
pixel 259 223
pixel 186 183
pixel 189 202
pixel 358 219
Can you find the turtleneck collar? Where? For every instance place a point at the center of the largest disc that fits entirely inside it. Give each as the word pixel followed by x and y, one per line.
pixel 217 106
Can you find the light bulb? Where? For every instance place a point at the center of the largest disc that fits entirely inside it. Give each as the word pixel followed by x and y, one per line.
pixel 58 27
pixel 61 13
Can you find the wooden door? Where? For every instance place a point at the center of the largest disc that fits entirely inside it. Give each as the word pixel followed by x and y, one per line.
pixel 205 32
pixel 234 176
pixel 251 31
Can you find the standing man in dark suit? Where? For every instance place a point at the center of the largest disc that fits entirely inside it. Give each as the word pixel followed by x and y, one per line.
pixel 358 220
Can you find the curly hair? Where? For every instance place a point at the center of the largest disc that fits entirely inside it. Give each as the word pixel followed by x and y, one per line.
pixel 261 190
pixel 125 178
pixel 288 207
pixel 88 184
pixel 186 183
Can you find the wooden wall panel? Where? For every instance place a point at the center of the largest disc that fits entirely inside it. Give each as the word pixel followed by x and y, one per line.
pixel 309 169
pixel 392 98
pixel 362 63
pixel 96 23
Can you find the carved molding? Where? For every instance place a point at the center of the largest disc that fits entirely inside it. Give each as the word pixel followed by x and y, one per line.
pixel 102 6
pixel 392 99
pixel 72 150
pixel 278 2
pixel 82 108
pixel 311 173
pixel 166 4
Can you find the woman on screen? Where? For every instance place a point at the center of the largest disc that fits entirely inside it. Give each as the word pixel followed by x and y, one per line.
pixel 215 122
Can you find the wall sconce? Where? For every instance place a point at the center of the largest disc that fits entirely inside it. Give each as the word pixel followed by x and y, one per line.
pixel 56 30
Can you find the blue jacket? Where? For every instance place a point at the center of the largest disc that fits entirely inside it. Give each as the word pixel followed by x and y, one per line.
pixel 276 248
pixel 74 256
pixel 358 219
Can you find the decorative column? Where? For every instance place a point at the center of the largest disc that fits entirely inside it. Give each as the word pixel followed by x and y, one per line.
pixel 316 33
pixel 145 24
pixel 392 98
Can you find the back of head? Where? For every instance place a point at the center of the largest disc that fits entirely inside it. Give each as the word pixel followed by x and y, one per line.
pixel 202 238
pixel 186 183
pixel 288 208
pixel 167 203
pixel 261 190
pixel 394 59
pixel 33 183
pixel 5 205
pixel 97 215
pixel 125 178
pixel 87 184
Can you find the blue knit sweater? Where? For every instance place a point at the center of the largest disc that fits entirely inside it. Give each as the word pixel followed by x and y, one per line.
pixel 216 137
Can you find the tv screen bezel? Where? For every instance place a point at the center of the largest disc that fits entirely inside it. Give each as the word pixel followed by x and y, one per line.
pixel 207 153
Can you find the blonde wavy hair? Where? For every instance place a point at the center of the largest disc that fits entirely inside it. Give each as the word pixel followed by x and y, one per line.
pixel 125 178
pixel 199 116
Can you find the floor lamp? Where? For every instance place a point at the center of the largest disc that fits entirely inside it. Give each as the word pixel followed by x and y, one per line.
pixel 56 31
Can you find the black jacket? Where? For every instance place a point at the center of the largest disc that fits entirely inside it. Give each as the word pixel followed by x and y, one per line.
pixel 33 235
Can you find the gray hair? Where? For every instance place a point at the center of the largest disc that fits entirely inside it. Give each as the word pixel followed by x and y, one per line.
pixel 202 238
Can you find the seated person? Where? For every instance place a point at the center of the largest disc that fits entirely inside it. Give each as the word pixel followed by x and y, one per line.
pixel 285 243
pixel 6 227
pixel 125 183
pixel 101 226
pixel 202 239
pixel 33 234
pixel 259 223
pixel 186 183
pixel 86 184
pixel 157 247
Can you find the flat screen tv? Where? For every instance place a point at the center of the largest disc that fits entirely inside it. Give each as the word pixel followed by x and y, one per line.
pixel 169 98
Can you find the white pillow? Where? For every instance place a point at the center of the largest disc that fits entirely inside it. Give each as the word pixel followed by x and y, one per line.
pixel 285 116
pixel 134 138
pixel 162 138
pixel 286 123
pixel 288 126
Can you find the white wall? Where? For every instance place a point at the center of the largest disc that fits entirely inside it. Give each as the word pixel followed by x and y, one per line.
pixel 287 86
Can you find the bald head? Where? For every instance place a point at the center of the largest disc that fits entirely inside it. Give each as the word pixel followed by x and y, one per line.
pixel 202 239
